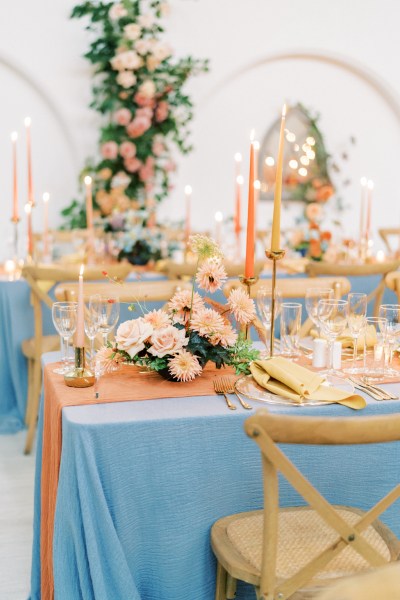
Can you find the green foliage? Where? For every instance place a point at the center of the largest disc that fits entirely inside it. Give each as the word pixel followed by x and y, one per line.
pixel 241 355
pixel 201 347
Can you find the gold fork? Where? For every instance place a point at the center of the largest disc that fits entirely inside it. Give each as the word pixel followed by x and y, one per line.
pixel 219 389
pixel 229 387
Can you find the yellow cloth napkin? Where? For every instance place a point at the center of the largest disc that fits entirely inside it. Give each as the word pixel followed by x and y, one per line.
pixel 347 340
pixel 281 376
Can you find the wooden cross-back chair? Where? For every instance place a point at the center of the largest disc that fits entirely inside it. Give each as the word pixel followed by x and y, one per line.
pixel 387 234
pixel 294 552
pixel 175 270
pixel 315 269
pixel 296 287
pixel 392 281
pixel 41 279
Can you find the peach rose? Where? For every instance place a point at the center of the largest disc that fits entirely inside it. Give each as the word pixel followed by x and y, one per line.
pixel 313 211
pixel 132 164
pixel 158 148
pixel 148 88
pixel 162 111
pixel 132 31
pixel 152 63
pixel 122 116
pixel 145 111
pixel 126 60
pixel 142 46
pixel 109 150
pixel 126 79
pixel 324 193
pixel 143 100
pixel 127 150
pixel 138 126
pixel 168 340
pixel 104 174
pixel 132 334
pixel 117 11
pixel 146 21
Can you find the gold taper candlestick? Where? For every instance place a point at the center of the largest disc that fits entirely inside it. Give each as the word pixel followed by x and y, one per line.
pixel 273 255
pixel 248 282
pixel 79 377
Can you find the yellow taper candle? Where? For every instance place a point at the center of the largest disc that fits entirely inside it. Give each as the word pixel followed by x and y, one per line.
pixel 276 219
pixel 80 323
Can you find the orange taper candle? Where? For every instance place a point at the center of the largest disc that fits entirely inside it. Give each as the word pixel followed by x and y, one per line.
pixel 80 323
pixel 27 123
pixel 89 202
pixel 15 210
pixel 276 219
pixel 370 186
pixel 249 264
pixel 188 196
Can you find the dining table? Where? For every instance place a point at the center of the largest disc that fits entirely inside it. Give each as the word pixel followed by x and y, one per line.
pixel 140 483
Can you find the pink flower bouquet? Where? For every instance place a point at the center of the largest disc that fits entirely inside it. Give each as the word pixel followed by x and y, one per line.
pixel 179 340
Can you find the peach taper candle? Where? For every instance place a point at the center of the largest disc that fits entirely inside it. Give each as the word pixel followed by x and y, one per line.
pixel 249 264
pixel 80 323
pixel 15 208
pixel 276 219
pixel 27 123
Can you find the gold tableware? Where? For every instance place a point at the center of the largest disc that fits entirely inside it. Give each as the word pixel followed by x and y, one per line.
pixel 229 386
pixel 219 389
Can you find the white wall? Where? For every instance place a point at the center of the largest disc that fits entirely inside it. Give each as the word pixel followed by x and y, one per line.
pixel 339 58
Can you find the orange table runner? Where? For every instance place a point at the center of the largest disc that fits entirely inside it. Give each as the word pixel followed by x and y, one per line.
pixel 126 385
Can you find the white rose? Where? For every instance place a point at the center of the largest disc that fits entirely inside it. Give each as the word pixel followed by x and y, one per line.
pixel 117 11
pixel 126 79
pixel 161 51
pixel 148 88
pixel 132 31
pixel 142 46
pixel 121 179
pixel 167 340
pixel 147 20
pixel 131 335
pixel 130 60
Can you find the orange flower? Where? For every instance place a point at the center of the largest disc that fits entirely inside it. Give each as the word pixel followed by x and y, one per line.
pixel 324 193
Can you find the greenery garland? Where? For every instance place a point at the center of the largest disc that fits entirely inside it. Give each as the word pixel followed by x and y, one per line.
pixel 139 89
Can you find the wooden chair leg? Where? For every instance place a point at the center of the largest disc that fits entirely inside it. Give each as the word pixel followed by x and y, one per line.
pixel 230 587
pixel 220 586
pixel 34 411
pixel 28 410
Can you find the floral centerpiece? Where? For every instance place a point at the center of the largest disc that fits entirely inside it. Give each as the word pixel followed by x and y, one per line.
pixel 139 92
pixel 179 341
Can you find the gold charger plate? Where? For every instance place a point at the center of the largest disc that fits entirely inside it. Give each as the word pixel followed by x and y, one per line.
pixel 248 387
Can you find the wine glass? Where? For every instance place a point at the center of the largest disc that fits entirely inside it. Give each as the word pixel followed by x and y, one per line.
pixel 332 315
pixel 356 320
pixel 91 328
pixel 264 305
pixel 391 312
pixel 64 318
pixel 312 297
pixel 290 329
pixel 106 308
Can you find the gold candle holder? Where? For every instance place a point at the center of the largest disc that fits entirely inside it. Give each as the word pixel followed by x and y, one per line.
pixel 273 255
pixel 79 377
pixel 248 282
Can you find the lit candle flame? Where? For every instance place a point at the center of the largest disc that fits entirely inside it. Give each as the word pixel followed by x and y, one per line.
pixel 219 216
pixel 257 184
pixel 14 136
pixel 46 197
pixel 81 270
pixel 363 181
pixel 370 184
pixel 188 190
pixel 238 157
pixel 240 179
pixel 87 180
pixel 28 208
pixel 27 121
pixel 284 111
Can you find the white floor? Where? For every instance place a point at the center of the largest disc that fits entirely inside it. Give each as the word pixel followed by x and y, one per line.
pixel 16 517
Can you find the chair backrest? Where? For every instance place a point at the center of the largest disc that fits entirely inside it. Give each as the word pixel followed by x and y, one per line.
pixel 268 430
pixel 392 281
pixel 390 232
pixel 129 292
pixel 296 287
pixel 42 278
pixel 314 269
pixel 175 270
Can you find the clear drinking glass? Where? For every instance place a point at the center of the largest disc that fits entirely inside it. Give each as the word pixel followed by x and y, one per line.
pixel 64 319
pixel 356 320
pixel 332 315
pixel 91 328
pixel 264 305
pixel 375 333
pixel 312 297
pixel 106 308
pixel 391 312
pixel 290 329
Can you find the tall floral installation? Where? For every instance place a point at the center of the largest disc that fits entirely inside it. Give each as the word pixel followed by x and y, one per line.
pixel 139 91
pixel 178 342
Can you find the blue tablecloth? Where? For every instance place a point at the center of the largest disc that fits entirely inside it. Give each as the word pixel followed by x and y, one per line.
pixel 141 484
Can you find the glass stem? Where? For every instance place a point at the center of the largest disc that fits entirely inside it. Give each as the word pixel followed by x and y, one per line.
pixel 66 348
pixel 330 355
pixel 62 350
pixel 92 350
pixel 355 351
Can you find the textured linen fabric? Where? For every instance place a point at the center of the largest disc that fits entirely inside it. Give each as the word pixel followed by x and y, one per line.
pixel 141 484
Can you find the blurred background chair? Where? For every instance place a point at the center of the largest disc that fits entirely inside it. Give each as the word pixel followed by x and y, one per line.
pixel 392 281
pixel 41 280
pixel 391 237
pixel 294 552
pixel 175 270
pixel 316 269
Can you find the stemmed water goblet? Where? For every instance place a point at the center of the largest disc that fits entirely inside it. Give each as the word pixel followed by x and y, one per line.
pixel 64 320
pixel 356 320
pixel 264 305
pixel 332 315
pixel 391 312
pixel 290 329
pixel 106 309
pixel 312 297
